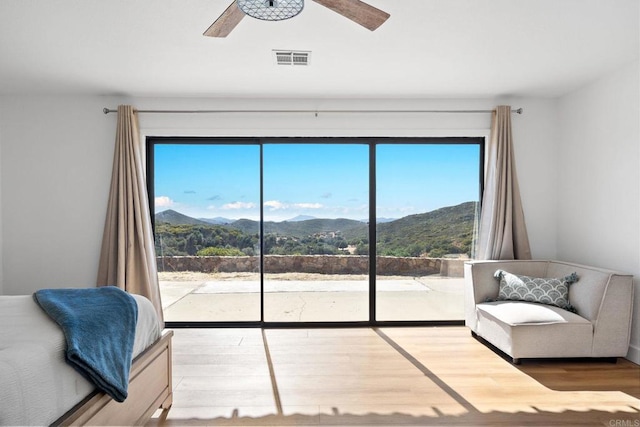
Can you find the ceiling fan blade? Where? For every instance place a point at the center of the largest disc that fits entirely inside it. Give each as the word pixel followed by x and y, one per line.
pixel 225 22
pixel 357 11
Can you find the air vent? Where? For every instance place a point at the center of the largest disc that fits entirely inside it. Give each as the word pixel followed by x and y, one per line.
pixel 290 57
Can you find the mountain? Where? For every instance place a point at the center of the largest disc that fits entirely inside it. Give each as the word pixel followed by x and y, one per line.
pixel 217 220
pixel 379 220
pixel 301 218
pixel 302 228
pixel 449 229
pixel 176 218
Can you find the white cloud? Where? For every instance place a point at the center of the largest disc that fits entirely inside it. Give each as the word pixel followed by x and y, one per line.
pixel 163 202
pixel 275 205
pixel 238 205
pixel 307 205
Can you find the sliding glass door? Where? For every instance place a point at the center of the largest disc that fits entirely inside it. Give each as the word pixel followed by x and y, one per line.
pixel 313 230
pixel 316 209
pixel 207 231
pixel 427 200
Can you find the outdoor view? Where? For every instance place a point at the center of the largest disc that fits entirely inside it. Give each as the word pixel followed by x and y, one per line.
pixel 315 202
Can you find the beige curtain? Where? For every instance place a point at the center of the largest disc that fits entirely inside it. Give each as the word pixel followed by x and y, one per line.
pixel 502 231
pixel 128 259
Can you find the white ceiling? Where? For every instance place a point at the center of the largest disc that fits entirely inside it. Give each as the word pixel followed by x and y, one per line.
pixel 428 48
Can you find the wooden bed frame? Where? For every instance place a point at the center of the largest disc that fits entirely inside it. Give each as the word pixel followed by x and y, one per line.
pixel 150 388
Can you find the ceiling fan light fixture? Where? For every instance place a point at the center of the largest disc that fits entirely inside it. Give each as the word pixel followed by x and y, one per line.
pixel 271 10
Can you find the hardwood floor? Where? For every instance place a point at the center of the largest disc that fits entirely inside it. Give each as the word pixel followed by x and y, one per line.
pixel 387 376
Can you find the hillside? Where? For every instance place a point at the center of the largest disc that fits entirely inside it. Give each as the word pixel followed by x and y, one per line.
pixel 443 231
pixel 301 229
pixel 176 218
pixel 217 220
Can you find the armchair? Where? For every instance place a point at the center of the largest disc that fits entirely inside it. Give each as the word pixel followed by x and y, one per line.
pixel 600 328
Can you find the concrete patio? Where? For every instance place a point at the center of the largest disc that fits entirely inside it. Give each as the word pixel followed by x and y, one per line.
pixel 308 298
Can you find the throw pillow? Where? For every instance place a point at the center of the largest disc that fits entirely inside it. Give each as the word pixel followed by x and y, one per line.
pixel 551 291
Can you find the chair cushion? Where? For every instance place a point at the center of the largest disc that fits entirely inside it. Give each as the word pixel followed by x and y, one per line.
pixel 522 313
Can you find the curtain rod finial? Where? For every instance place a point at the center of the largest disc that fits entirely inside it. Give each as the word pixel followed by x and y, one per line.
pixel 106 110
pixel 519 111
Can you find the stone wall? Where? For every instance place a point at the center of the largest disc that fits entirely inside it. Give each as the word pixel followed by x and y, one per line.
pixel 325 264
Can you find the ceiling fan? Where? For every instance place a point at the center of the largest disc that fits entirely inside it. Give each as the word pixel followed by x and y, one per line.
pixel 355 10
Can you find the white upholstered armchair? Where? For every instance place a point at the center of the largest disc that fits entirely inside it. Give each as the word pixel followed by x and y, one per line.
pixel 600 327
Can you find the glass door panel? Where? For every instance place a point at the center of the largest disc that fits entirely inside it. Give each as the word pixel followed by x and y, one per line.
pixel 426 204
pixel 316 207
pixel 207 231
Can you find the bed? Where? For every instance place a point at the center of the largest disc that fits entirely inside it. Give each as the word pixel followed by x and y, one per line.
pixel 38 387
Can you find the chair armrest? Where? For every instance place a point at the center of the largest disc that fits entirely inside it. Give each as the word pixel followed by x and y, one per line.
pixel 479 284
pixel 612 328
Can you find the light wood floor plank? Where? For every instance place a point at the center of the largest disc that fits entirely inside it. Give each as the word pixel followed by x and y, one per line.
pixel 389 376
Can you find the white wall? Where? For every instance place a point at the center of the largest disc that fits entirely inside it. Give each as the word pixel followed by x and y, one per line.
pixel 55 171
pixel 1 287
pixel 535 141
pixel 57 153
pixel 599 184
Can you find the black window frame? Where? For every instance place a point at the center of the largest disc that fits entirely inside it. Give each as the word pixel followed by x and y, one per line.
pixel 371 142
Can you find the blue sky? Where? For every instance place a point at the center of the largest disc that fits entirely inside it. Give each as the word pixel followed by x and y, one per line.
pixel 319 180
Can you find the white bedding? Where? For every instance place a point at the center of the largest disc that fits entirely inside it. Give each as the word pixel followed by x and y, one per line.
pixel 36 384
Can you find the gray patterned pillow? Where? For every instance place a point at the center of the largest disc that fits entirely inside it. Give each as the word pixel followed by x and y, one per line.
pixel 551 291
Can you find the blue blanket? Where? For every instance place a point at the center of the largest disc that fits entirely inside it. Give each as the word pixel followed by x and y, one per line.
pixel 99 325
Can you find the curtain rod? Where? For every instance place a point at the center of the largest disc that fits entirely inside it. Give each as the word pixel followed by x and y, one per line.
pixel 316 112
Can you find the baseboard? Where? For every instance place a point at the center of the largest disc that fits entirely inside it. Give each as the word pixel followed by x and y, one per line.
pixel 634 354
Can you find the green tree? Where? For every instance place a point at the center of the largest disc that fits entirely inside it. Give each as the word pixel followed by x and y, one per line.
pixel 362 249
pixel 217 251
pixel 437 253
